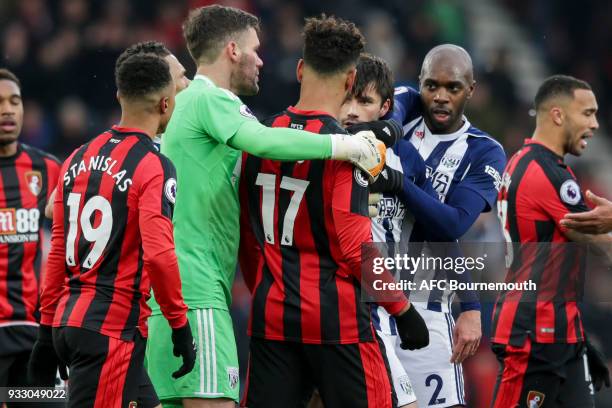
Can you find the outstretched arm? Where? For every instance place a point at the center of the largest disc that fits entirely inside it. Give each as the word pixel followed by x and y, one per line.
pixel 596 221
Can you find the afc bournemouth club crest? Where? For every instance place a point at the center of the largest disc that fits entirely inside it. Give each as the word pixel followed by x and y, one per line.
pixel 34 181
pixel 535 399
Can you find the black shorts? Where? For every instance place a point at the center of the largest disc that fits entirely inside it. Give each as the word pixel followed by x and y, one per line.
pixel 539 375
pixel 284 374
pixel 104 371
pixel 16 343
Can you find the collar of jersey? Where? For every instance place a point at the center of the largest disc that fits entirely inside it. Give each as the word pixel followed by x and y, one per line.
pixel 205 79
pixel 543 146
pixel 307 113
pixel 122 129
pixel 14 156
pixel 449 136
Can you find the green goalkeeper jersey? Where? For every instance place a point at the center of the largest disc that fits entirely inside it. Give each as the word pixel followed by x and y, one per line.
pixel 206 213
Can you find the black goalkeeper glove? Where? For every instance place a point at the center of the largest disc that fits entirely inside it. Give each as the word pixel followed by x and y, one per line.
pixel 412 330
pixel 600 374
pixel 44 362
pixel 184 346
pixel 387 131
pixel 388 181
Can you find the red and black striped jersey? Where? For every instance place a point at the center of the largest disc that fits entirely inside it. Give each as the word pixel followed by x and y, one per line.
pixel 302 227
pixel 538 189
pixel 112 238
pixel 26 181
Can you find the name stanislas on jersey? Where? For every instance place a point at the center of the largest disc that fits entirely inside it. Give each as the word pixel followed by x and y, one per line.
pixel 99 163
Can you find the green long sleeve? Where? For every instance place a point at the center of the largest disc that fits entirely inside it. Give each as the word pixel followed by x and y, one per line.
pixel 280 143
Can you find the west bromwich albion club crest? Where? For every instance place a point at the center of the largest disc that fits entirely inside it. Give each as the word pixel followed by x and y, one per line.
pixel 34 181
pixel 450 161
pixel 232 377
pixel 535 399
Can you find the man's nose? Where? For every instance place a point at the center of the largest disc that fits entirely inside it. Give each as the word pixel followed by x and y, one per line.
pixel 441 95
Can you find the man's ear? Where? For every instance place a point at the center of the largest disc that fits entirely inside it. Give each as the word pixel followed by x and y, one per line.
pixel 117 96
pixel 557 115
pixel 233 51
pixel 350 79
pixel 163 105
pixel 384 108
pixel 299 70
pixel 471 89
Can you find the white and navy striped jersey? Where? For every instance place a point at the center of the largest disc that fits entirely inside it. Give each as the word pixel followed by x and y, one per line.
pixel 467 159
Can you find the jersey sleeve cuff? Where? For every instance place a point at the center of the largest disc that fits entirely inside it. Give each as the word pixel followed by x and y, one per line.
pixel 395 307
pixel 178 322
pixel 467 306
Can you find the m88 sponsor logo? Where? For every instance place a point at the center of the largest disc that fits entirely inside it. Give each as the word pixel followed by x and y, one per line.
pixel 19 221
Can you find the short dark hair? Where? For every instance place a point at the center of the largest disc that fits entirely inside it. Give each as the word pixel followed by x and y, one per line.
pixel 145 47
pixel 558 85
pixel 331 44
pixel 7 75
pixel 374 71
pixel 142 74
pixel 208 28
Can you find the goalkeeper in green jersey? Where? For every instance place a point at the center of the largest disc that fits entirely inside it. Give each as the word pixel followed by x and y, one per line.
pixel 208 131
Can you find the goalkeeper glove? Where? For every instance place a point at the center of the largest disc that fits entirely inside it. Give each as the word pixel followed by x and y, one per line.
pixel 362 149
pixel 412 330
pixel 387 131
pixel 598 369
pixel 184 346
pixel 44 362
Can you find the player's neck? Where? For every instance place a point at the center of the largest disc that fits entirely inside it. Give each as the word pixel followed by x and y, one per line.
pixel 217 73
pixel 320 96
pixel 549 139
pixel 8 150
pixel 142 121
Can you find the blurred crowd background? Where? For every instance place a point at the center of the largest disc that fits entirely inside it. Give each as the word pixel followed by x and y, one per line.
pixel 64 53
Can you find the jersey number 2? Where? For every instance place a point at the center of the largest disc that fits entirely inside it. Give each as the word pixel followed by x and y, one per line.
pixel 99 235
pixel 268 185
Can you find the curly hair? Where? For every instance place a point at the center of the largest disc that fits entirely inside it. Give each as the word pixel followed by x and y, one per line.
pixel 140 75
pixel 331 44
pixel 207 30
pixel 145 47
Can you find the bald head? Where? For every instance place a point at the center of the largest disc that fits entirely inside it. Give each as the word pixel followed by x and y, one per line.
pixel 449 57
pixel 446 83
